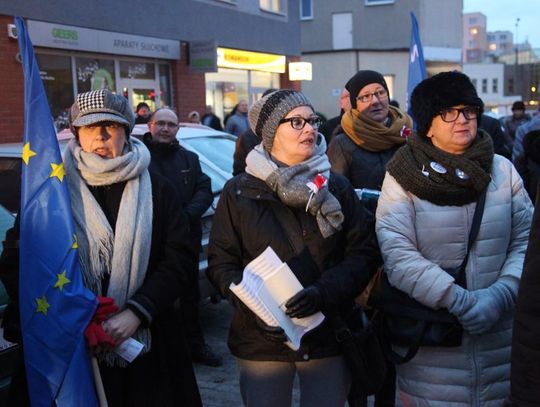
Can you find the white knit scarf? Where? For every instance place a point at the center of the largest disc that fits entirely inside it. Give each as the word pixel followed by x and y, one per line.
pixel 290 184
pixel 122 252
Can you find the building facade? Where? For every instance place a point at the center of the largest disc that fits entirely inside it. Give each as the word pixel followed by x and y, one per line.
pixel 185 54
pixel 341 37
pixel 475 39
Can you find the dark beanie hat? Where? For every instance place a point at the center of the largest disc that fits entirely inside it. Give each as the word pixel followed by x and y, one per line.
pixel 439 92
pixel 519 105
pixel 361 79
pixel 265 114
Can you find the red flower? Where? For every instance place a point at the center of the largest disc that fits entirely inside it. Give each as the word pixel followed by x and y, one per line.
pixel 405 132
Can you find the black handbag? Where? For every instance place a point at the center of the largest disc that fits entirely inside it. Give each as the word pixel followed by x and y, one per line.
pixel 409 324
pixel 358 339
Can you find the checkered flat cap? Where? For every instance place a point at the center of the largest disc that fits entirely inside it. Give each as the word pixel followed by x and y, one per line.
pixel 101 106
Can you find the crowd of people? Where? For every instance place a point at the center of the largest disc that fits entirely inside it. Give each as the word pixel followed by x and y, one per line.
pixel 437 173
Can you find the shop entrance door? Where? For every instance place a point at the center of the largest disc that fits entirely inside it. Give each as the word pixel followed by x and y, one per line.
pixel 137 94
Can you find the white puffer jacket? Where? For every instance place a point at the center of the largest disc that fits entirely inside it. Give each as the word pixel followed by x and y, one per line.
pixel 417 238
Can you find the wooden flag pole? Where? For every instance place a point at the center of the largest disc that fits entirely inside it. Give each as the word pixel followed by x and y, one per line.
pixel 99 384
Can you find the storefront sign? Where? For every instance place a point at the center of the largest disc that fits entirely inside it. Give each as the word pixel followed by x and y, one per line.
pixel 300 71
pixel 85 39
pixel 233 58
pixel 203 56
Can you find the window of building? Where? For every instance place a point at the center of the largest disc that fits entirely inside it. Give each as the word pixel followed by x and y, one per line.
pixel 342 29
pixel 510 85
pixel 378 2
pixel 306 9
pixel 475 83
pixel 57 78
pixel 495 85
pixel 275 6
pixel 472 20
pixel 137 70
pixel 94 74
pixel 503 36
pixel 484 85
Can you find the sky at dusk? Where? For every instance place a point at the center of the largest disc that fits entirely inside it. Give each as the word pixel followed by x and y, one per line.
pixel 502 14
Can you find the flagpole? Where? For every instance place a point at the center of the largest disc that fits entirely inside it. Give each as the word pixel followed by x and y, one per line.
pixel 100 390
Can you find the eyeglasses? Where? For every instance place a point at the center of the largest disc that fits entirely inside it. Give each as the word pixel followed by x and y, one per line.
pixel 298 122
pixel 162 123
pixel 451 114
pixel 381 94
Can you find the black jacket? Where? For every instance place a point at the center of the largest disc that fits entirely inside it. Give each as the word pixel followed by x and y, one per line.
pixel 245 224
pixel 165 280
pixel 213 121
pixel 363 168
pixel 183 170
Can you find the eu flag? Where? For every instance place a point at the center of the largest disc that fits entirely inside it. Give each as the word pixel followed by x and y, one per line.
pixel 55 306
pixel 417 67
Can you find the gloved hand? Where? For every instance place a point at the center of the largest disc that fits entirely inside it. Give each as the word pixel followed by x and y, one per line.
pixel 491 302
pixel 94 332
pixel 272 333
pixel 459 300
pixel 304 303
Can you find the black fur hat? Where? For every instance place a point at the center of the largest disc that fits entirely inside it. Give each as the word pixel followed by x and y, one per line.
pixel 443 90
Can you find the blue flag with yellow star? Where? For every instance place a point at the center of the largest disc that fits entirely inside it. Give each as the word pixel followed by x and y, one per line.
pixel 55 306
pixel 417 66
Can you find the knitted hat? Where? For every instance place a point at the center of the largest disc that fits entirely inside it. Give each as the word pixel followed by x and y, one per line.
pixel 441 91
pixel 101 106
pixel 361 79
pixel 265 114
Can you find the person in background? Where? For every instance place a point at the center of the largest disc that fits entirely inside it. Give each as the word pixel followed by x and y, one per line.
pixel 211 120
pixel 329 127
pixel 518 117
pixel 238 122
pixel 193 117
pixel 531 125
pixel 394 103
pixel 143 113
pixel 182 168
pixel 493 127
pixel 371 132
pixel 334 255
pixel 424 214
pixel 244 144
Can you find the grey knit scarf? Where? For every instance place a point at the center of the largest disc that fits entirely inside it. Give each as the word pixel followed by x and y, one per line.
pixel 290 185
pixel 123 251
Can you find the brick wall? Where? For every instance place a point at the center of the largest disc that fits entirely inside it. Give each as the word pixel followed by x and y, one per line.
pixel 188 88
pixel 11 87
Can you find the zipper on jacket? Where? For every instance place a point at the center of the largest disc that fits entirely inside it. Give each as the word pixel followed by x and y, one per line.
pixel 475 378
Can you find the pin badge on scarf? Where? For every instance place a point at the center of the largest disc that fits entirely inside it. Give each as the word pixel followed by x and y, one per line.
pixel 315 186
pixel 437 167
pixel 461 174
pixel 424 172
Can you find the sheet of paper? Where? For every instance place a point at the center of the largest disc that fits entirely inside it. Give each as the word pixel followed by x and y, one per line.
pixel 129 349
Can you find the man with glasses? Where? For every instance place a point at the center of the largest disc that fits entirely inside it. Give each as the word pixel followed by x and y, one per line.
pixel 182 168
pixel 372 131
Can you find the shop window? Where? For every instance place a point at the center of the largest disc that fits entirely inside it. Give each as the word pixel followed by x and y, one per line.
pixel 56 75
pixel 275 6
pixel 137 70
pixel 165 85
pixel 306 9
pixel 227 87
pixel 95 74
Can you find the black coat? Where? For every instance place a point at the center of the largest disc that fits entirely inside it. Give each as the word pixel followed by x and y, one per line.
pixel 211 120
pixel 493 128
pixel 165 280
pixel 245 224
pixel 525 362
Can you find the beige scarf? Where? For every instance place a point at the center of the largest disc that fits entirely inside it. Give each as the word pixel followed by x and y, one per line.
pixel 374 136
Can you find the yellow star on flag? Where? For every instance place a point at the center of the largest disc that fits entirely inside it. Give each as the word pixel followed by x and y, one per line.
pixel 75 244
pixel 57 171
pixel 27 153
pixel 62 281
pixel 42 305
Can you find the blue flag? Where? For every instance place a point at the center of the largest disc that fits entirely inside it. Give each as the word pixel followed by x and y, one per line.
pixel 55 306
pixel 417 66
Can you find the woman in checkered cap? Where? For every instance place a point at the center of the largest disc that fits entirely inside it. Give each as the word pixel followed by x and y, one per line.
pixel 132 243
pixel 289 200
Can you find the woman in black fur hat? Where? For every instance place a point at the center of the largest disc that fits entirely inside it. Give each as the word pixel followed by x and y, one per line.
pixel 424 216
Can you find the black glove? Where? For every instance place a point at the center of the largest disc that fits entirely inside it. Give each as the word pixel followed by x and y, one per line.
pixel 272 333
pixel 304 303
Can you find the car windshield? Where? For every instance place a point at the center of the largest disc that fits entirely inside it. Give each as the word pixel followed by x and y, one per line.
pixel 219 150
pixel 218 181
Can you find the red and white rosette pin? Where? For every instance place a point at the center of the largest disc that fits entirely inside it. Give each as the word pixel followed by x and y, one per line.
pixel 405 132
pixel 315 186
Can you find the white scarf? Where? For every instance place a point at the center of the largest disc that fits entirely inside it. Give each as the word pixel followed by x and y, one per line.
pixel 122 252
